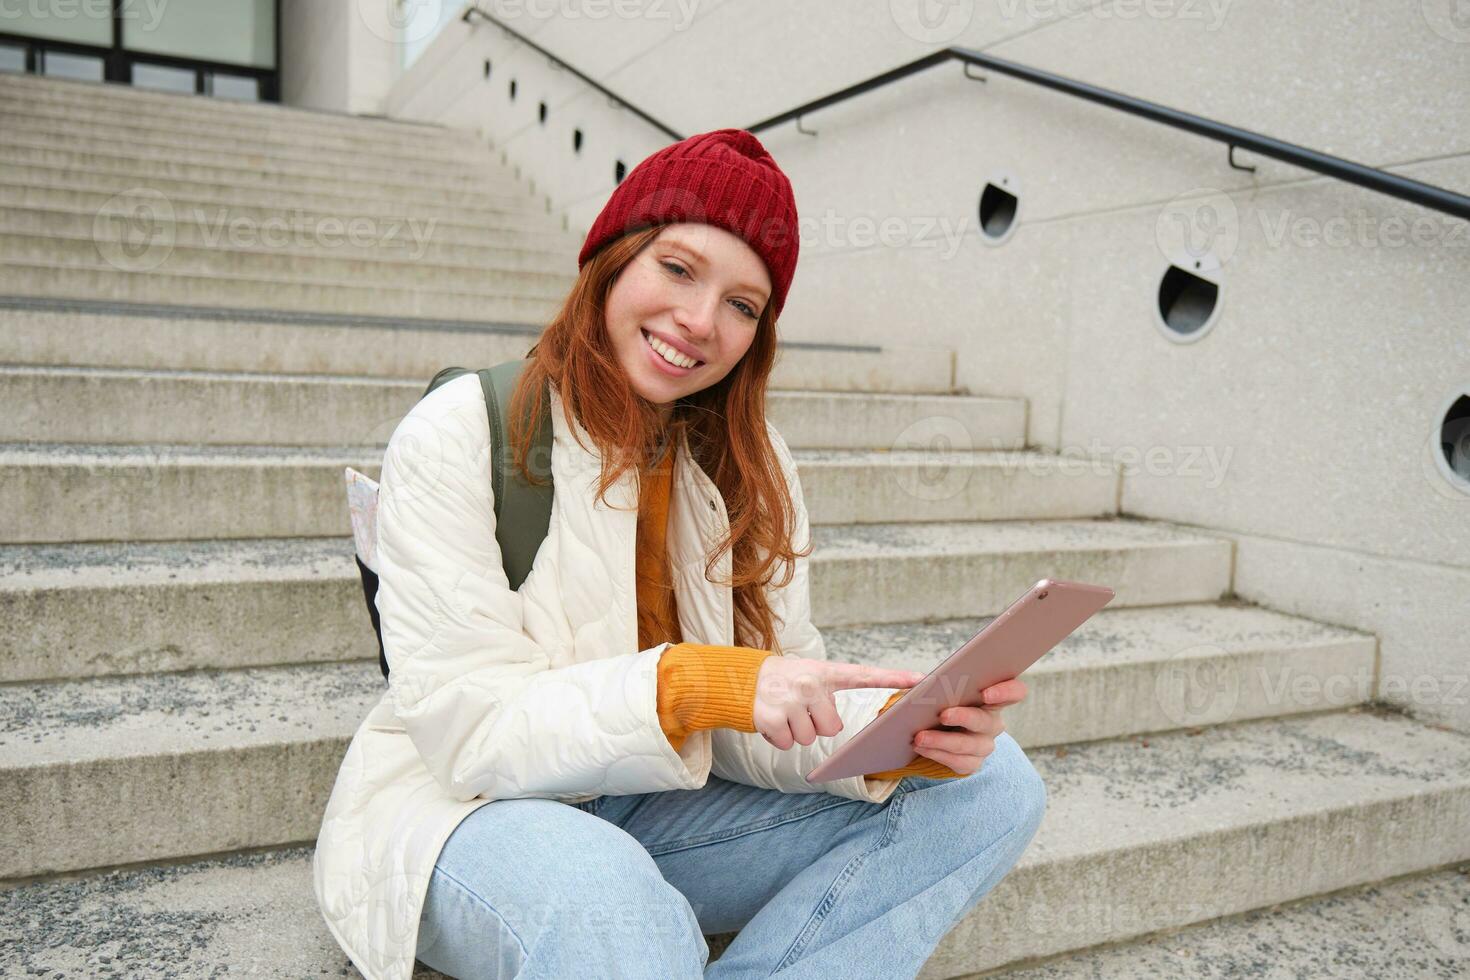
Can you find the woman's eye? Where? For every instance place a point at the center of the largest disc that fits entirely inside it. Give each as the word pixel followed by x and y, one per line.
pixel 744 307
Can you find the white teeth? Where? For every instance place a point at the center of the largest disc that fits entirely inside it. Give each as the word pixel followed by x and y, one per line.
pixel 668 353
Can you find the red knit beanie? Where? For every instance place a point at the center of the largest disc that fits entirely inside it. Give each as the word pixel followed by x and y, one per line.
pixel 724 178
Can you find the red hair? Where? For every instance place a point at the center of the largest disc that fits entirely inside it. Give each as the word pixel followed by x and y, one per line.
pixel 725 424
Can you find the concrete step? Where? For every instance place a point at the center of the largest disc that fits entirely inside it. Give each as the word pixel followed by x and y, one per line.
pixel 408 258
pixel 129 607
pixel 244 914
pixel 21 122
pixel 142 171
pixel 134 406
pixel 217 760
pixel 75 99
pixel 1148 834
pixel 99 280
pixel 78 333
pixel 1133 671
pixel 73 492
pixel 438 147
pixel 1139 835
pixel 35 210
pixel 80 191
pixel 1411 927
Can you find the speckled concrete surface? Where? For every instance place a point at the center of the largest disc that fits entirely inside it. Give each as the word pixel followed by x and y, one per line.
pixel 996 537
pixel 112 564
pixel 61 330
pixel 242 915
pixel 118 770
pixel 143 607
pixel 174 406
pixel 222 739
pixel 1412 928
pixel 1152 833
pixel 116 718
pixel 946 569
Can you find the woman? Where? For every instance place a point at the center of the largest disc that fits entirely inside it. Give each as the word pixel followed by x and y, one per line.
pixel 585 775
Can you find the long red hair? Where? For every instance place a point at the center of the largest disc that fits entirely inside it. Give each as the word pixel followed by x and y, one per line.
pixel 725 424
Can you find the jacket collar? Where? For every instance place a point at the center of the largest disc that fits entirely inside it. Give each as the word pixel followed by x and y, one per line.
pixel 697 518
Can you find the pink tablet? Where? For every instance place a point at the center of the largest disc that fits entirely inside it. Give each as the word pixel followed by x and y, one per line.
pixel 1042 617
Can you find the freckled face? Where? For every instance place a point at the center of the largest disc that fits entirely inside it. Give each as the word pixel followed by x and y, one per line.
pixel 698 288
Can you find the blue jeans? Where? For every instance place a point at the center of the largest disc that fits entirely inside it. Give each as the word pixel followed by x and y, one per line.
pixel 817 885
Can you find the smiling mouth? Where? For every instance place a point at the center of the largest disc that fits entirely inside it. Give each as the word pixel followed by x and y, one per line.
pixel 648 339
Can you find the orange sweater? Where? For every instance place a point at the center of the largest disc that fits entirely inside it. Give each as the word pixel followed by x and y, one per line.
pixel 703 686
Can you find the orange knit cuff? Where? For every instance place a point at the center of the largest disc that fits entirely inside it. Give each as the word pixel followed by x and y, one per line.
pixel 921 766
pixel 703 686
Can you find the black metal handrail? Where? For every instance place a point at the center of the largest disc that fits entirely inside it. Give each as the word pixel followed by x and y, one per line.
pixel 667 130
pixel 1404 188
pixel 1427 195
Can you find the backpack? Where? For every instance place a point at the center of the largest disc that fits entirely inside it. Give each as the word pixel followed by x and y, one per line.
pixel 522 511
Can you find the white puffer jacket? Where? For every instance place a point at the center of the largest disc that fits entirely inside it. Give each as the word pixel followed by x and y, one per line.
pixel 497 694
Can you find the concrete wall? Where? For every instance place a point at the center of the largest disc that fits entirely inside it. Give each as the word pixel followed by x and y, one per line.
pixel 339 55
pixel 1302 424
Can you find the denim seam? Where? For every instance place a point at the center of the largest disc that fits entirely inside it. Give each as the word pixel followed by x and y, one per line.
pixel 767 823
pixel 525 953
pixel 835 890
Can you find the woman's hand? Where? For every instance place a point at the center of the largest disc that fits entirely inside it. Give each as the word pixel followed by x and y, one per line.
pixel 965 751
pixel 793 696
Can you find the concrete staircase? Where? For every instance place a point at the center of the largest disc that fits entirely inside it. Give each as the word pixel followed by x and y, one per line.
pixel 189 653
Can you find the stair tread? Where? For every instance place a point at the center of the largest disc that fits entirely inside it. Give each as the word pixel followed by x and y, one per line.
pixel 1143 791
pixel 1405 929
pixel 27 566
pixel 1110 796
pixel 553 280
pixel 848 541
pixel 219 710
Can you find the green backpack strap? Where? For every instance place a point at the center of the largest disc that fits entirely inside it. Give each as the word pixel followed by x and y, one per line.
pixel 522 511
